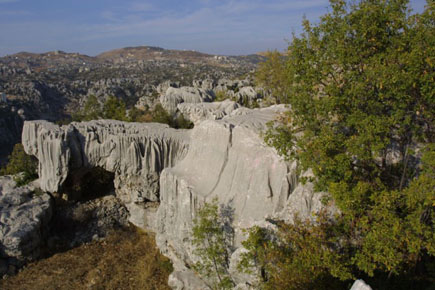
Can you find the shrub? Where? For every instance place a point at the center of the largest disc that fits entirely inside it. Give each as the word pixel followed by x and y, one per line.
pixel 213 237
pixel 22 165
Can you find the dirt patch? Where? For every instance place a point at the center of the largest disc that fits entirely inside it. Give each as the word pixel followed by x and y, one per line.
pixel 126 259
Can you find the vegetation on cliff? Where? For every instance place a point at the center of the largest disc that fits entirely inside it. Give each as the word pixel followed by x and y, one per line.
pixel 115 109
pixel 213 237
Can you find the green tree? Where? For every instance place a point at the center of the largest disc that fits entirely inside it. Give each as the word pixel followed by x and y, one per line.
pixel 272 75
pixel 296 256
pixel 91 110
pixel 213 238
pixel 20 162
pixel 114 109
pixel 360 85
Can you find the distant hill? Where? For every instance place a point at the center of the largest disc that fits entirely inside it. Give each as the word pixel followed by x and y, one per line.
pixel 150 52
pixel 47 60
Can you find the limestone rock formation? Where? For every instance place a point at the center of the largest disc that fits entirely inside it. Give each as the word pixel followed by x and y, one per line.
pixel 164 175
pixel 24 218
pixel 175 96
pixel 247 94
pixel 135 152
pixel 207 111
pixel 360 285
pixel 227 159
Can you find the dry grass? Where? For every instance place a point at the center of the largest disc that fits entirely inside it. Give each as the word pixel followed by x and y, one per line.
pixel 126 259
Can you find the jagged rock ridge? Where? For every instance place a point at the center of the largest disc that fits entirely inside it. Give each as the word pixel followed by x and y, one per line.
pixel 135 152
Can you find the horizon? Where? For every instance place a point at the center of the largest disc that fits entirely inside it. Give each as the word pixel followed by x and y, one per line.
pixel 214 27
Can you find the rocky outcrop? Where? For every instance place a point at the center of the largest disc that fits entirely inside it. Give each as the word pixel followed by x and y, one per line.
pixel 175 96
pixel 227 159
pixel 24 219
pixel 360 285
pixel 247 95
pixel 164 176
pixel 207 111
pixel 135 153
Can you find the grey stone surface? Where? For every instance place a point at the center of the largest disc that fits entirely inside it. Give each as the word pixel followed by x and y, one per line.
pixel 186 280
pixel 360 285
pixel 175 96
pixel 24 218
pixel 227 159
pixel 135 152
pixel 247 93
pixel 206 84
pixel 207 111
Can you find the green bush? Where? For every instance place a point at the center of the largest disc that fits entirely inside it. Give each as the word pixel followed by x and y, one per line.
pixel 160 115
pixel 20 163
pixel 222 96
pixel 114 109
pixel 213 239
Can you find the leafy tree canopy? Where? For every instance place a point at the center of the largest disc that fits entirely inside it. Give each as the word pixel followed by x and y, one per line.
pixel 360 86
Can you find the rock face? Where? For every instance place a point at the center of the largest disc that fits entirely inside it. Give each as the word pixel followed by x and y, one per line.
pixel 175 96
pixel 207 111
pixel 164 176
pixel 247 93
pixel 24 218
pixel 135 152
pixel 227 159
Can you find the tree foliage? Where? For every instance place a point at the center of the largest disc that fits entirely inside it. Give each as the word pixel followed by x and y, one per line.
pixel 213 238
pixel 272 75
pixel 115 109
pixel 360 85
pixel 20 162
pixel 296 256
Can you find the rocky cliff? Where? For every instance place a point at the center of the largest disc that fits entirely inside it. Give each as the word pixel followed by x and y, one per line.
pixel 181 170
pixel 135 153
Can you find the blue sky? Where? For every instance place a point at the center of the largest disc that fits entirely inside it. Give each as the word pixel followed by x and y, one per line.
pixel 229 27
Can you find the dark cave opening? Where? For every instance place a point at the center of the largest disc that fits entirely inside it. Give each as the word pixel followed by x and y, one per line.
pixel 85 210
pixel 87 184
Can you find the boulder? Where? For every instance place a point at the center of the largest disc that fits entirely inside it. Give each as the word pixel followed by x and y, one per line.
pixel 206 84
pixel 360 285
pixel 207 111
pixel 247 95
pixel 24 219
pixel 163 87
pixel 175 96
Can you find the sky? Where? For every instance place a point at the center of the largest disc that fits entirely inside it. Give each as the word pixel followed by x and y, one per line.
pixel 226 27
